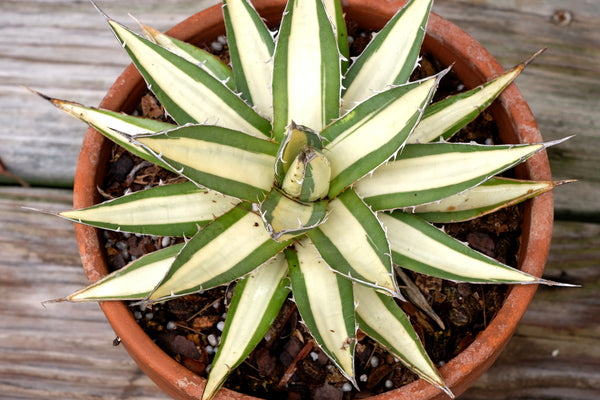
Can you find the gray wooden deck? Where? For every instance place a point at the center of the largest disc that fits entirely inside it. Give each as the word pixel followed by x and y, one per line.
pixel 64 49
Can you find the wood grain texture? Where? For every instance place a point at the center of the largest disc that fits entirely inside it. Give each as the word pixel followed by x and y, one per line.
pixel 65 50
pixel 64 351
pixel 555 352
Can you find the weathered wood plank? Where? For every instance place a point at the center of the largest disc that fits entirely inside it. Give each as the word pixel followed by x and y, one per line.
pixel 64 49
pixel 64 351
pixel 555 353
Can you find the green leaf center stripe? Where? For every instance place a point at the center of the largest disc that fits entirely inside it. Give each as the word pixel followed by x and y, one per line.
pixel 428 168
pixel 390 57
pixel 227 161
pixel 355 243
pixel 251 46
pixel 419 246
pixel 181 86
pixel 230 247
pixel 372 132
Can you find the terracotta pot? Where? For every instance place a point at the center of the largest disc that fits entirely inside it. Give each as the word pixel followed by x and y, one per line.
pixel 450 45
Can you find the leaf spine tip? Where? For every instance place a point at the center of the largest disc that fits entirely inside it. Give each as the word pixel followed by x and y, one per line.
pixel 446 390
pixel 42 211
pixel 564 181
pixel 557 141
pixel 43 96
pixel 397 295
pixel 59 300
pixel 547 282
pixel 97 7
pixel 534 56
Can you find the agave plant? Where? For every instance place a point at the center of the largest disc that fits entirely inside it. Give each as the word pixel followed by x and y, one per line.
pixel 307 173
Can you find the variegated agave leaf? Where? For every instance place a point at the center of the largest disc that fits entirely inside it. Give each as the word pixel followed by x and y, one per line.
pixel 180 85
pixel 416 178
pixel 481 200
pixel 193 54
pixel 352 221
pixel 117 127
pixel 307 172
pixel 224 160
pixel 390 57
pixel 251 48
pixel 380 318
pixel 446 117
pixel 326 304
pixel 306 66
pixel 255 304
pixel 170 210
pixel 135 281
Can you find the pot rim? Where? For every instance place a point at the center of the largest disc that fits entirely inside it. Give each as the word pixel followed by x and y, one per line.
pixel 461 371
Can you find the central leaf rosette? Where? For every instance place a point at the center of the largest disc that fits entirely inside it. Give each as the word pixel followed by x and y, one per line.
pixel 302 174
pixel 308 176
